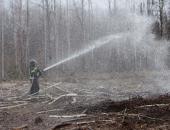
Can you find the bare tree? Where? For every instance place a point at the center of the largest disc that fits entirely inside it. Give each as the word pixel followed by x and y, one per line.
pixel 115 5
pixel 149 7
pixel 2 40
pixel 14 30
pixel 68 27
pixel 161 13
pixel 45 33
pixel 90 24
pixel 110 7
pixel 27 34
pixel 55 29
pixel 19 37
pixel 83 18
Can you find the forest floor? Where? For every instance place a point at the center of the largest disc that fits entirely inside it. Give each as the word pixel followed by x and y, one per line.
pixel 132 101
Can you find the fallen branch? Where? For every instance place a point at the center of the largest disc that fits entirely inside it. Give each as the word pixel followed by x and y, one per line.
pixel 61 126
pixel 54 85
pixel 45 102
pixel 71 121
pixel 151 118
pixel 66 95
pixel 124 115
pixel 140 115
pixel 64 124
pixel 89 117
pixel 61 89
pixel 11 98
pixel 127 114
pixel 84 111
pixel 68 116
pixel 50 96
pixel 21 127
pixel 19 101
pixel 14 106
pixel 41 112
pixel 36 97
pixel 88 122
pixel 84 123
pixel 159 105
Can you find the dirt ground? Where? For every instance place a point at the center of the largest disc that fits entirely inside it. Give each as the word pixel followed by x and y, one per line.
pixel 103 102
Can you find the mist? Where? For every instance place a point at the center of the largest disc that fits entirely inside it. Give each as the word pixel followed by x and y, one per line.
pixel 84 64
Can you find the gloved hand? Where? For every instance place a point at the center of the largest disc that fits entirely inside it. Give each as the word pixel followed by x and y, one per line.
pixel 43 73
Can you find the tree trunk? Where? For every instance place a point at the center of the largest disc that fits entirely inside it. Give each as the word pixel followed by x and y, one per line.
pixel 20 45
pixel 13 12
pixel 55 31
pixel 2 41
pixel 115 6
pixel 68 28
pixel 48 30
pixel 45 34
pixel 161 11
pixel 27 36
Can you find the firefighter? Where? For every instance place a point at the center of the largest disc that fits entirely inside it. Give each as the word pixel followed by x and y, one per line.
pixel 35 73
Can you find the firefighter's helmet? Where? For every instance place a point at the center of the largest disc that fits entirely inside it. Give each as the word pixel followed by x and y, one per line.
pixel 33 62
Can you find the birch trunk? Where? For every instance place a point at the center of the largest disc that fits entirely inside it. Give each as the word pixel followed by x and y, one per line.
pixel 2 41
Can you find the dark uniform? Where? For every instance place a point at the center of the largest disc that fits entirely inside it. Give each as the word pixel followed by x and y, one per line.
pixel 35 73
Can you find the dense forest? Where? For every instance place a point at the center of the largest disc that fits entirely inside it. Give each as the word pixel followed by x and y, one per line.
pixel 51 30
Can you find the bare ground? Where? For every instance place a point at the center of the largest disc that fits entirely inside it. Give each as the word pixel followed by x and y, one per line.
pixel 103 102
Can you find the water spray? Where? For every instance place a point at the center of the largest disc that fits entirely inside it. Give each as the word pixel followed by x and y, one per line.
pixel 96 44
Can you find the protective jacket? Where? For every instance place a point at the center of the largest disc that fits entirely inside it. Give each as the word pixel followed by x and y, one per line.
pixel 35 73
